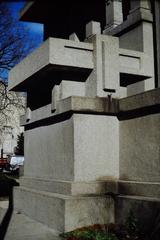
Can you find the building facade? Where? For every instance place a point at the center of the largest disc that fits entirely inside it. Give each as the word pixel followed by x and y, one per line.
pixel 92 124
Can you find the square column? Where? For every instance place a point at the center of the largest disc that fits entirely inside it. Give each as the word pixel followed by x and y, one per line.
pixel 114 15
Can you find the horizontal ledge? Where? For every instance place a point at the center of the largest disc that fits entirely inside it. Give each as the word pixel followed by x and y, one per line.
pixel 107 187
pixel 146 99
pixel 130 107
pixel 70 188
pixel 141 189
pixel 62 196
pixel 74 104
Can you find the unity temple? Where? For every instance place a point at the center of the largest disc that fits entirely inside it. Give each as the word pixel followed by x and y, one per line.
pixel 92 122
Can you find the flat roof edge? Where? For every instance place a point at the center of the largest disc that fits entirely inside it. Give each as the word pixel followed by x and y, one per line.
pixel 25 9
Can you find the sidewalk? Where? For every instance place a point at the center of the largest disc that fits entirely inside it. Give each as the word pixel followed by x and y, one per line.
pixel 22 227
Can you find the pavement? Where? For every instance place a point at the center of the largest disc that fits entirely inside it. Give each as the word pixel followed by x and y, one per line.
pixel 22 227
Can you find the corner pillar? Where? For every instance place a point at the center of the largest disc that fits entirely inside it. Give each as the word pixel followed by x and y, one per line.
pixel 114 15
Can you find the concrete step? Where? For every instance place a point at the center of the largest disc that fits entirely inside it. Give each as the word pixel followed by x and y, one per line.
pixel 62 212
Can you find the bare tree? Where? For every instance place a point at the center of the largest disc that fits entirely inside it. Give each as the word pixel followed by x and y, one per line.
pixel 15 44
pixel 14 41
pixel 8 102
pixel 12 105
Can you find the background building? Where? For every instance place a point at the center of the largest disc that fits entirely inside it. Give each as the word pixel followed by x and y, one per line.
pixel 12 107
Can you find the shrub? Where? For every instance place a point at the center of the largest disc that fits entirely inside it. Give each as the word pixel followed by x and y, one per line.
pixel 95 232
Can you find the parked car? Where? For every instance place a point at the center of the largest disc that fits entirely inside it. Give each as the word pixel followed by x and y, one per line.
pixel 4 164
pixel 15 162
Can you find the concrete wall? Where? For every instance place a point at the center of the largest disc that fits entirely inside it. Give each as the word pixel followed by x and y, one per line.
pixel 157 46
pixel 94 138
pixel 140 148
pixel 79 149
pixel 49 151
pixel 145 210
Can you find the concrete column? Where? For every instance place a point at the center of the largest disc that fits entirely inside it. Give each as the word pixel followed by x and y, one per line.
pixel 140 4
pixel 157 40
pixel 114 15
pixel 141 7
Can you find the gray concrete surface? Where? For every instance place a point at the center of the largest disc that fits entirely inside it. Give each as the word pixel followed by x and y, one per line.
pixel 61 212
pixel 83 141
pixel 3 208
pixel 139 149
pixel 146 211
pixel 69 187
pixel 65 150
pixel 74 54
pixel 23 227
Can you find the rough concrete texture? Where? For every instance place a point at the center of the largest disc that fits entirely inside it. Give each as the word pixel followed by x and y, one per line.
pixel 65 149
pixel 93 28
pixel 140 39
pixel 74 37
pixel 61 212
pixel 146 211
pixel 135 188
pixel 135 33
pixel 23 227
pixel 137 16
pixel 59 53
pixel 113 67
pixel 139 148
pixel 94 163
pixel 105 106
pixel 140 101
pixel 114 15
pixel 117 67
pixel 66 89
pixel 54 157
pixel 69 187
pixel 71 88
pixel 157 29
pixel 3 208
pixel 80 142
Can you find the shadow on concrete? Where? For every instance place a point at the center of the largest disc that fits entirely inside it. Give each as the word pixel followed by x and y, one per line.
pixel 6 220
pixel 7 217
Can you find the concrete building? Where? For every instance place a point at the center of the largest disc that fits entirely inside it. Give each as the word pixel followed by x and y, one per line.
pixel 10 120
pixel 92 124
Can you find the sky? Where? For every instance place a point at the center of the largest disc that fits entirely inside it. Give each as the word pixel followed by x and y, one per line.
pixel 34 29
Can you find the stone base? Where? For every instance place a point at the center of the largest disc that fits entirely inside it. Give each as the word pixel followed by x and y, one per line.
pixel 62 212
pixel 65 205
pixel 143 198
pixel 145 209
